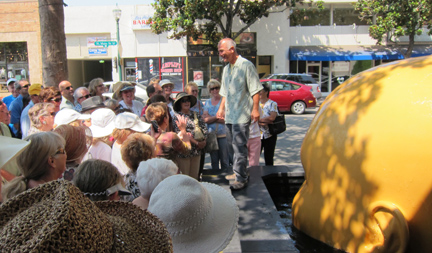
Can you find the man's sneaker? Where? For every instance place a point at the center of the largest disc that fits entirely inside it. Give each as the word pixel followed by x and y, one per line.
pixel 230 177
pixel 237 185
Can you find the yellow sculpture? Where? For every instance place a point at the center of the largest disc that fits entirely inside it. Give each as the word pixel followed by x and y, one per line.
pixel 368 163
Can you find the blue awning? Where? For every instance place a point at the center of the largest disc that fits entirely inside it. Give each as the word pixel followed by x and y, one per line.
pixel 343 53
pixel 420 50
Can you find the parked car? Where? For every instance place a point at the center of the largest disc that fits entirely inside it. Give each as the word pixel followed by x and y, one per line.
pixel 300 78
pixel 140 91
pixel 290 96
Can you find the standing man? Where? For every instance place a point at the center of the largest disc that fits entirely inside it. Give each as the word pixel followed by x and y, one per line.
pixel 11 88
pixel 239 106
pixel 67 92
pixel 80 94
pixel 17 106
pixel 34 92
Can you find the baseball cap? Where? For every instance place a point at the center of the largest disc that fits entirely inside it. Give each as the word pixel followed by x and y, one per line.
pixel 11 80
pixel 66 116
pixel 35 89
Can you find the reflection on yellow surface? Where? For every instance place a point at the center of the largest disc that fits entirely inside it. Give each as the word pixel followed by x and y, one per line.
pixel 368 163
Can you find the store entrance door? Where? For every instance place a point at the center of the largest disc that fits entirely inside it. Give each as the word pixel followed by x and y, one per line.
pixel 313 68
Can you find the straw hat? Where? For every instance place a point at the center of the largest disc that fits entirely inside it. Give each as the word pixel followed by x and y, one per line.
pixel 165 82
pixel 10 148
pixel 177 102
pixel 128 120
pixel 66 116
pixel 56 216
pixel 200 217
pixel 102 122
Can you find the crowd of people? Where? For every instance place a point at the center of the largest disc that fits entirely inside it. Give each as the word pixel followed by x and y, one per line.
pixel 123 149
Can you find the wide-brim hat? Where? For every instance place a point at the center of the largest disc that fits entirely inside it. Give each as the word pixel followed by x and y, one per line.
pixel 10 148
pixel 92 103
pixel 66 116
pixel 200 217
pixel 56 216
pixel 102 122
pixel 177 102
pixel 165 82
pixel 128 120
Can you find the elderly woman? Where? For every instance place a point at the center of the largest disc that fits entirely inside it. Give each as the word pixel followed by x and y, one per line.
pixel 189 164
pixel 41 118
pixel 137 148
pixel 78 139
pixel 51 95
pixel 169 144
pixel 99 180
pixel 125 123
pixel 167 89
pixel 150 173
pixel 126 93
pixel 216 125
pixel 101 128
pixel 270 111
pixel 96 88
pixel 4 120
pixel 42 161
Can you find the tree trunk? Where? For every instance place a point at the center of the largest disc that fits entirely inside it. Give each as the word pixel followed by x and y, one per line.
pixel 53 39
pixel 410 46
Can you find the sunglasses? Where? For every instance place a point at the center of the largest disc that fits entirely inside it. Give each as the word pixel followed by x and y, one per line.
pixel 100 85
pixel 68 88
pixel 86 96
pixel 56 99
pixel 60 151
pixel 185 100
pixel 215 88
pixel 25 86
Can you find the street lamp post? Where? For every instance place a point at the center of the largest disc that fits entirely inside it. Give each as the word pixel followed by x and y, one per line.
pixel 117 15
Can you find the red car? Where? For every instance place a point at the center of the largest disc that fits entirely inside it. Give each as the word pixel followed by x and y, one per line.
pixel 290 96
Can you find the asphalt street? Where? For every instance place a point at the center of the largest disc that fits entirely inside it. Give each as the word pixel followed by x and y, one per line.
pixel 289 142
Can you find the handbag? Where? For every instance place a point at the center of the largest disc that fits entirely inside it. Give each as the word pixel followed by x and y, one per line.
pixel 197 132
pixel 211 142
pixel 278 126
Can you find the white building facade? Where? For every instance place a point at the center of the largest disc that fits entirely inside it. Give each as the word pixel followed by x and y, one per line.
pixel 331 46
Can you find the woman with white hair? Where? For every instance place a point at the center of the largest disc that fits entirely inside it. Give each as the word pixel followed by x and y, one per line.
pixel 42 161
pixel 149 174
pixel 41 118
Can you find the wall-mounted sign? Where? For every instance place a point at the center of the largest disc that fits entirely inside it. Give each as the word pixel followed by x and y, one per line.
pixel 198 78
pixel 140 22
pixel 97 51
pixel 91 41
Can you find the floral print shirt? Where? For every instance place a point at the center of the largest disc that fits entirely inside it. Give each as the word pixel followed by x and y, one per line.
pixel 190 129
pixel 267 108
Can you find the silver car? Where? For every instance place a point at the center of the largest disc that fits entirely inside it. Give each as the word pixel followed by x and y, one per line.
pixel 299 78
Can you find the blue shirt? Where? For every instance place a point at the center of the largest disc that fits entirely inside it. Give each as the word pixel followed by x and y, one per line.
pixel 212 110
pixel 198 107
pixel 16 109
pixel 8 100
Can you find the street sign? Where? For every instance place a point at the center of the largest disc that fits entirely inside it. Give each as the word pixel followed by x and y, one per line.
pixel 97 51
pixel 105 43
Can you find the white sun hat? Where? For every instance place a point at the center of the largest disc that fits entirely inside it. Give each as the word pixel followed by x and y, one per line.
pixel 128 120
pixel 10 148
pixel 66 116
pixel 200 217
pixel 102 122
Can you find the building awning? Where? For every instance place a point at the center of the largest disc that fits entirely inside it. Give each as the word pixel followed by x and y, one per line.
pixel 343 53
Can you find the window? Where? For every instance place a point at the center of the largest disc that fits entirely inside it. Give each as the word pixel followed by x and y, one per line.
pixel 347 16
pixel 309 17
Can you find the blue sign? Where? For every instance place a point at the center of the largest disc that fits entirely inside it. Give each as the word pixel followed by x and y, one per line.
pixel 97 51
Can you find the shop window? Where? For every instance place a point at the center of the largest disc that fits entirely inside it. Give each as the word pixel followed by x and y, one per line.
pixel 148 68
pixel 347 16
pixel 264 65
pixel 13 61
pixel 172 68
pixel 199 70
pixel 309 17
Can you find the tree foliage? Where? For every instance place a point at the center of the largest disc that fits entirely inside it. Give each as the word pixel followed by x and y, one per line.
pixel 396 18
pixel 210 18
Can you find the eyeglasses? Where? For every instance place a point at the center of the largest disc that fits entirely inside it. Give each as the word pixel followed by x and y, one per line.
pixel 185 100
pixel 68 88
pixel 214 88
pixel 60 151
pixel 25 86
pixel 100 85
pixel 86 96
pixel 168 87
pixel 56 99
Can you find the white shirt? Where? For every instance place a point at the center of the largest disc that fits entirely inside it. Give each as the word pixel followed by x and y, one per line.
pixel 25 120
pixel 100 150
pixel 117 160
pixel 136 108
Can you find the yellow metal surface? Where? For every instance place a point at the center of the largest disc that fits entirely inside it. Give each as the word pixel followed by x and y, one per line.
pixel 368 163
